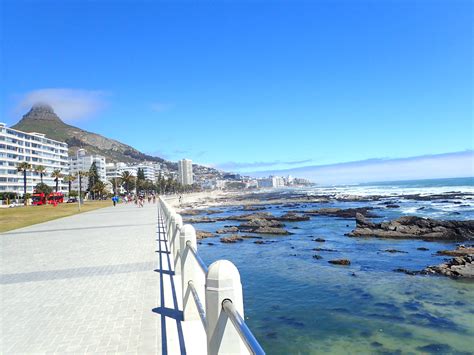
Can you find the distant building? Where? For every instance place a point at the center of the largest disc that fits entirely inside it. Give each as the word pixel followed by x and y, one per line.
pixel 148 171
pixel 185 172
pixel 36 149
pixel 272 181
pixel 83 162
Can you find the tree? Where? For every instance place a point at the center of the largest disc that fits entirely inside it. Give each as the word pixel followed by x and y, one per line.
pixel 41 170
pixel 140 179
pixel 128 180
pixel 98 188
pixel 93 178
pixel 24 167
pixel 69 179
pixel 43 188
pixel 81 174
pixel 116 182
pixel 56 174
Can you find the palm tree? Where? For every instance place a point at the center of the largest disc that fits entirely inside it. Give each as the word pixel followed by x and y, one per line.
pixel 56 174
pixel 116 182
pixel 69 179
pixel 81 174
pixel 24 167
pixel 41 170
pixel 99 188
pixel 127 179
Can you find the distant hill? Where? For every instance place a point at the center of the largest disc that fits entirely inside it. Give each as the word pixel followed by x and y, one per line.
pixel 42 119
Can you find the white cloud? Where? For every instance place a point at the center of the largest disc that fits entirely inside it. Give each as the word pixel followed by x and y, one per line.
pixel 457 164
pixel 69 104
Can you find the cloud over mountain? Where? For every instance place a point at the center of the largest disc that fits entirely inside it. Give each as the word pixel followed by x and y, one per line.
pixel 70 104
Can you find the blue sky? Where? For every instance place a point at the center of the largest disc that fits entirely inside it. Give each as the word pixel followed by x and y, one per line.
pixel 249 85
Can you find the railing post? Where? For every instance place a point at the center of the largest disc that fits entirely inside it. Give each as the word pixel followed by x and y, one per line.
pixel 189 271
pixel 171 226
pixel 223 282
pixel 176 245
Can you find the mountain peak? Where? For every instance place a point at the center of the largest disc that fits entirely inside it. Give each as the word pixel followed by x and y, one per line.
pixel 41 111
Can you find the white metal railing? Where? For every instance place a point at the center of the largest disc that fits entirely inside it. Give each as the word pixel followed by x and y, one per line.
pixel 212 295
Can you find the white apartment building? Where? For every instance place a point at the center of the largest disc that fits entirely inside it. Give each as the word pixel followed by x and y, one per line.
pixel 148 171
pixel 115 170
pixel 83 162
pixel 185 172
pixel 34 148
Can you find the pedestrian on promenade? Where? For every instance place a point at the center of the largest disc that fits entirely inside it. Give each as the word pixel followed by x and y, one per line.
pixel 154 199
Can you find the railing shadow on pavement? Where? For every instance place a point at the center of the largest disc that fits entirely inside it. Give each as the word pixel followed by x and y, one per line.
pixel 173 313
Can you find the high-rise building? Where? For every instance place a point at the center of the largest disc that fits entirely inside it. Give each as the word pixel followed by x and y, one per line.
pixel 185 172
pixel 36 149
pixel 83 162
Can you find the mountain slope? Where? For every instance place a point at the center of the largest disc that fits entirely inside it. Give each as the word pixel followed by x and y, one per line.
pixel 42 119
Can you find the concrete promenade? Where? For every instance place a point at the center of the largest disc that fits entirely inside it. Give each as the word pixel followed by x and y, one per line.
pixel 95 282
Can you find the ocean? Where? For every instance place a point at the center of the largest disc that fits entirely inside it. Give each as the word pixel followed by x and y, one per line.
pixel 296 304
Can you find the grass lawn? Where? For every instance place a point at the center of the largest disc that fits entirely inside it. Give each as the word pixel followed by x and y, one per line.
pixel 18 217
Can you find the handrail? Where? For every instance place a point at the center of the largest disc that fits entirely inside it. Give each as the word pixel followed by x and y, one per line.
pixel 245 333
pixel 201 263
pixel 218 285
pixel 201 311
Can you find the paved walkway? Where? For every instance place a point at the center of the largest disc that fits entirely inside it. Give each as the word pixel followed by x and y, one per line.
pixel 94 282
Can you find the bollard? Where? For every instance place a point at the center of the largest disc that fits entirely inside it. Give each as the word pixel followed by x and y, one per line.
pixel 223 282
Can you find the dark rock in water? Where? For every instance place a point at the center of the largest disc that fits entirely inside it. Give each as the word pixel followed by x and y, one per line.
pixel 271 230
pixel 201 220
pixel 323 249
pixel 227 230
pixel 292 217
pixel 340 262
pixel 194 212
pixel 320 240
pixel 260 222
pixel 392 206
pixel 394 251
pixel 210 243
pixel 259 242
pixel 292 247
pixel 232 239
pixel 253 208
pixel 435 349
pixel 408 272
pixel 414 227
pixel 204 234
pixel 376 344
pixel 342 213
pixel 421 208
pixel 422 249
pixel 317 257
pixel 459 251
pixel 458 267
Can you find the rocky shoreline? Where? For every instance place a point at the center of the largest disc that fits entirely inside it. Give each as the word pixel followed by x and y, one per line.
pixel 260 222
pixel 414 227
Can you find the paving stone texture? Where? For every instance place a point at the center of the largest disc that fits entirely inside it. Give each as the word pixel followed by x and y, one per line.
pixel 96 282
